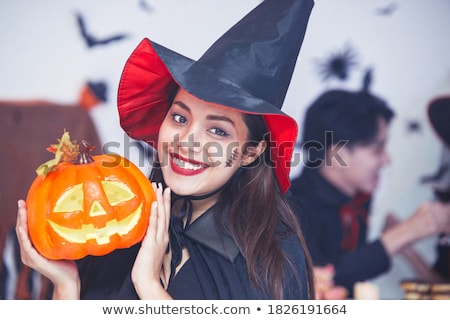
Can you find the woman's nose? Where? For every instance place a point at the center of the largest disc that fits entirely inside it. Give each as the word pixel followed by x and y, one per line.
pixel 188 140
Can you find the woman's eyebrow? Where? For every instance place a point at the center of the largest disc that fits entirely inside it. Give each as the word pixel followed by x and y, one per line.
pixel 219 118
pixel 183 106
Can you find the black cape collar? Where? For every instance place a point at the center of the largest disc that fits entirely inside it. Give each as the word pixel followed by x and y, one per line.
pixel 328 193
pixel 205 232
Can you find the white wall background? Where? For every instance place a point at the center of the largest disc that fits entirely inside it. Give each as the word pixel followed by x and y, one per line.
pixel 42 56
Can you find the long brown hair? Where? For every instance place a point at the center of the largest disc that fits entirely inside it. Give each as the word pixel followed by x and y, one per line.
pixel 259 216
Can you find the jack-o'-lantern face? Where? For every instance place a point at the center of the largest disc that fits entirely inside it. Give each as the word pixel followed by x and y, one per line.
pixel 72 202
pixel 89 209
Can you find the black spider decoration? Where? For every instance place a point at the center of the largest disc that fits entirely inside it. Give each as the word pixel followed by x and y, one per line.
pixel 338 64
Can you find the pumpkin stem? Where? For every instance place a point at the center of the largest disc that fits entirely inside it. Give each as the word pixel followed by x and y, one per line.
pixel 84 149
pixel 65 151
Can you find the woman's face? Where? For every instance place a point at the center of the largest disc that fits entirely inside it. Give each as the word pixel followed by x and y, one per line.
pixel 200 145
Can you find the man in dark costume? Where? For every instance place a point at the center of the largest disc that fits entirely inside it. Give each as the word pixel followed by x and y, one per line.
pixel 344 139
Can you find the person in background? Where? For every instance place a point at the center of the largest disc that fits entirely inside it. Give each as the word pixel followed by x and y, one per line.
pixel 439 116
pixel 426 275
pixel 344 140
pixel 222 227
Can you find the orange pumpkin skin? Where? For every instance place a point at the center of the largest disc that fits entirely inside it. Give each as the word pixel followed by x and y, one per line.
pixel 90 234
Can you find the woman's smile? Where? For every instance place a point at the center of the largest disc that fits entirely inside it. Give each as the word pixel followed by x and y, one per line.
pixel 183 166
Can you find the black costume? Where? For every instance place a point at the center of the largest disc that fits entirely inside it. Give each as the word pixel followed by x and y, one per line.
pixel 319 206
pixel 215 270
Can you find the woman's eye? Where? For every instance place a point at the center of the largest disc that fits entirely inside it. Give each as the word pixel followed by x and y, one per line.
pixel 218 132
pixel 178 118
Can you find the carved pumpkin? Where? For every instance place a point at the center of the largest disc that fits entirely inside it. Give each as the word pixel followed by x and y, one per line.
pixel 81 205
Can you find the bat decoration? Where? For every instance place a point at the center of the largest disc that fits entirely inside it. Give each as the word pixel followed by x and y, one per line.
pixel 388 10
pixel 91 40
pixel 338 64
pixel 414 126
pixel 145 6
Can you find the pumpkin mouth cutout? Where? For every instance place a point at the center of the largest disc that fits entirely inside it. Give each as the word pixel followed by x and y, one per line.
pixel 101 235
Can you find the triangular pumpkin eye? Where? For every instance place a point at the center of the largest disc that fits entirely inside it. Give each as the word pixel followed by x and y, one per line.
pixel 71 200
pixel 117 192
pixel 97 209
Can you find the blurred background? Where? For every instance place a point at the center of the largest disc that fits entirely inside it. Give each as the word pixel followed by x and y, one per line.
pixel 60 64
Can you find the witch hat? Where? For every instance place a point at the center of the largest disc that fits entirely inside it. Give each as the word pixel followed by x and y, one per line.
pixel 249 69
pixel 439 116
pixel 438 112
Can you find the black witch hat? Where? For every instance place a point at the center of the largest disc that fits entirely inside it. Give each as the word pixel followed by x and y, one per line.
pixel 438 112
pixel 248 69
pixel 439 116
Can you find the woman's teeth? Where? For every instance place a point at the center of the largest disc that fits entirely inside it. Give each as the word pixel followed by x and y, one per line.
pixel 187 165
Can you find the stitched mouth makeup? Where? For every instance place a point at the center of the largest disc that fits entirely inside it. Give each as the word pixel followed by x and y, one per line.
pixel 232 157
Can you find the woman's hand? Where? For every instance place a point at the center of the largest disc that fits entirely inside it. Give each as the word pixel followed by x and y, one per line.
pixel 148 266
pixel 62 273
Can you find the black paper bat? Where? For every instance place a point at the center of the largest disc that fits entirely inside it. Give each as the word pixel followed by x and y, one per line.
pixel 387 10
pixel 145 6
pixel 92 41
pixel 413 126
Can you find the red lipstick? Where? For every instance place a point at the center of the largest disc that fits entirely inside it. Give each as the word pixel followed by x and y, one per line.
pixel 183 166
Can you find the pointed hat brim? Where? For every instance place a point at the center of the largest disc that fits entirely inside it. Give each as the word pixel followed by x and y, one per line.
pixel 147 87
pixel 439 116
